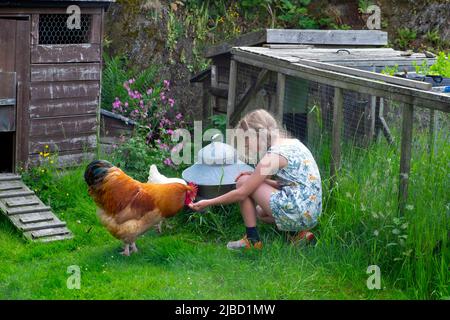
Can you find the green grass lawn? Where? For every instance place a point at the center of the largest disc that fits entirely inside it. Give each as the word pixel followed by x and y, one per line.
pixel 359 227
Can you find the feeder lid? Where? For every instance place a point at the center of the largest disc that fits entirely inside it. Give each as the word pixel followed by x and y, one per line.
pixel 217 164
pixel 217 153
pixel 214 175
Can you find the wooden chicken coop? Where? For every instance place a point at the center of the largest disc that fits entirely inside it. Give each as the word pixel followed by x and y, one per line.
pixel 259 86
pixel 50 75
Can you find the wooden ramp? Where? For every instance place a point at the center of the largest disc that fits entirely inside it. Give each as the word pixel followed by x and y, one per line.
pixel 28 213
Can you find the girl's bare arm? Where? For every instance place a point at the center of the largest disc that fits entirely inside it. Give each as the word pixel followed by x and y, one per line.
pixel 266 168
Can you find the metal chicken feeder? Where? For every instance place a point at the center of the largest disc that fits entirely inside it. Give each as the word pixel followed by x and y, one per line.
pixel 216 170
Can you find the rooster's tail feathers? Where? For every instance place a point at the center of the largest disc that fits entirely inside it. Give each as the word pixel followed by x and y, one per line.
pixel 96 171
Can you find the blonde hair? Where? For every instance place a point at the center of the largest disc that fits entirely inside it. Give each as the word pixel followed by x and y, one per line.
pixel 260 120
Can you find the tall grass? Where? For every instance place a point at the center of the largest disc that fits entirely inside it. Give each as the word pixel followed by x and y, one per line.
pixel 411 249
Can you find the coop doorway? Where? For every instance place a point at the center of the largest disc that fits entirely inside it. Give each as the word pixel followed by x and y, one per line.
pixel 7 147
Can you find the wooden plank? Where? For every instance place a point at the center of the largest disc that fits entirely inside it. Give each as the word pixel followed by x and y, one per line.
pixel 6 186
pixel 8 37
pixel 64 53
pixel 8 85
pixel 35 29
pixel 63 143
pixel 22 63
pixel 248 39
pixel 70 89
pixel 68 158
pixel 405 155
pixel 69 126
pixel 65 72
pixel 21 202
pixel 373 109
pixel 98 115
pixel 336 135
pixel 281 92
pixel 29 209
pixel 15 194
pixel 232 84
pixel 42 225
pixel 432 132
pixel 35 217
pixel 62 107
pixel 287 46
pixel 49 232
pixel 96 29
pixel 328 37
pixel 9 177
pixel 367 74
pixel 249 94
pixel 56 238
pixel 426 99
pixel 214 76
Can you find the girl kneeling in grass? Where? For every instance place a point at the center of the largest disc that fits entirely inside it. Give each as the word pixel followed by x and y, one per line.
pixel 293 201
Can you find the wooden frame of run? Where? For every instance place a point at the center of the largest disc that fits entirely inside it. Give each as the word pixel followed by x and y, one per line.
pixel 409 93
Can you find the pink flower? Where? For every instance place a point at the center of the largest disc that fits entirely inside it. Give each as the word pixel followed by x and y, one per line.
pixel 149 91
pixel 166 83
pixel 170 131
pixel 168 162
pixel 162 96
pixel 177 147
pixel 171 102
pixel 179 116
pixel 164 147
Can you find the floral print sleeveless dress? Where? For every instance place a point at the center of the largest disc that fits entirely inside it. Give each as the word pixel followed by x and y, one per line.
pixel 298 205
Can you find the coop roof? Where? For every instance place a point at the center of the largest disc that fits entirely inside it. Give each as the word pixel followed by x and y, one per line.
pixel 331 66
pixel 361 58
pixel 293 37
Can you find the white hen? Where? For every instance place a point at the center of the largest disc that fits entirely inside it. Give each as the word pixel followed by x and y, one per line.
pixel 155 177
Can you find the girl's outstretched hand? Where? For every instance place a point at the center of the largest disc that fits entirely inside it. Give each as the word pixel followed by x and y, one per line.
pixel 245 173
pixel 200 205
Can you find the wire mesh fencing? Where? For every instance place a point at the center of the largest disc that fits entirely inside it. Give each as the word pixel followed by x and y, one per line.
pixel 370 137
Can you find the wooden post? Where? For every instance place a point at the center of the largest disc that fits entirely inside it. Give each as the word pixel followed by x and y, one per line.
pixel 336 135
pixel 373 108
pixel 405 156
pixel 432 132
pixel 231 103
pixel 281 91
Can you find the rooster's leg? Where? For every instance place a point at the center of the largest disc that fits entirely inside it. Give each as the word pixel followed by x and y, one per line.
pixel 133 247
pixel 159 227
pixel 126 250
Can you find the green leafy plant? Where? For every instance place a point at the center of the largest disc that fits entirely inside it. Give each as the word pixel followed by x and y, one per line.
pixel 363 5
pixel 116 72
pixel 390 70
pixel 405 37
pixel 433 37
pixel 174 32
pixel 422 68
pixel 442 65
pixel 440 68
